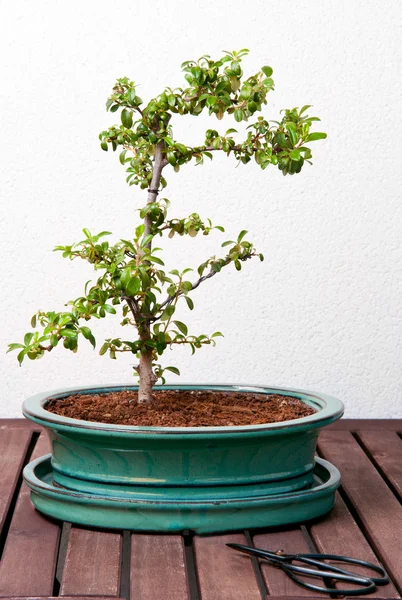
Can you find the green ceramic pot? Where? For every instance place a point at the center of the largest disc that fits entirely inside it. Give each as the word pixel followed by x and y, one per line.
pixel 108 459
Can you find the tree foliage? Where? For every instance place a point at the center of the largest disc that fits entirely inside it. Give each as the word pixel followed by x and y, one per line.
pixel 132 277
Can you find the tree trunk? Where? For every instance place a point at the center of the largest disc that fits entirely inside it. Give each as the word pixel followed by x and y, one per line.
pixel 147 378
pixel 145 371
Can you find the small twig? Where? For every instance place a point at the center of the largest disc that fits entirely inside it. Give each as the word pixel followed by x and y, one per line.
pixel 195 285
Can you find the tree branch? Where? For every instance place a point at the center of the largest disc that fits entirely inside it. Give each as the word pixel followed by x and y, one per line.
pixel 195 285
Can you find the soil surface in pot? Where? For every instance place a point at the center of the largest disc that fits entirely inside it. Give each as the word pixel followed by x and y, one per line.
pixel 182 408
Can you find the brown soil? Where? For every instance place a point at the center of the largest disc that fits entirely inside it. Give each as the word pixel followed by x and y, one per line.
pixel 182 408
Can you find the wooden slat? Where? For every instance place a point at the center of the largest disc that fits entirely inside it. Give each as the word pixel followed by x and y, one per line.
pixel 378 509
pixel 29 557
pixel 157 568
pixel 386 451
pixel 20 424
pixel 366 424
pixel 55 598
pixel 291 541
pixel 13 448
pixel 224 574
pixel 338 533
pixel 92 565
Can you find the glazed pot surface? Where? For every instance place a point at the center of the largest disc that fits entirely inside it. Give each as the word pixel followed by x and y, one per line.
pixel 279 457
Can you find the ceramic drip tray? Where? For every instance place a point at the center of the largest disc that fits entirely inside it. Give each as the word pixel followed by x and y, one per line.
pixel 173 509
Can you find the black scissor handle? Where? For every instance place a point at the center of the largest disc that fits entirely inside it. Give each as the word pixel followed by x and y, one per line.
pixel 322 571
pixel 316 560
pixel 368 585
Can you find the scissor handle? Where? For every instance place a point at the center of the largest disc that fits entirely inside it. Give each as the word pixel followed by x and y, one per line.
pixel 368 585
pixel 316 560
pixel 322 571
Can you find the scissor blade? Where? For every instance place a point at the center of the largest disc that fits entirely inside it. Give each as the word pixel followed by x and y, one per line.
pixel 255 552
pixel 241 548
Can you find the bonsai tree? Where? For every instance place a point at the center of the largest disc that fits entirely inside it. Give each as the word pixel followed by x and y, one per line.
pixel 132 275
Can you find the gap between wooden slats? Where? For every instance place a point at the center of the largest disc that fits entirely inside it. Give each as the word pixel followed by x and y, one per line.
pixel 377 509
pixel 338 533
pixel 224 574
pixel 14 444
pixel 157 568
pixel 385 449
pixel 92 563
pixel 30 553
pixel 277 582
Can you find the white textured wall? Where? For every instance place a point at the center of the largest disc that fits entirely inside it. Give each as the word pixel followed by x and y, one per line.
pixel 324 310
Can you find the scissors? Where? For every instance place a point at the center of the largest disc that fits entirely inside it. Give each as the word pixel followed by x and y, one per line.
pixel 323 570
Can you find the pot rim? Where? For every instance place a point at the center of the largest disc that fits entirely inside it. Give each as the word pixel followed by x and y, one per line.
pixel 328 409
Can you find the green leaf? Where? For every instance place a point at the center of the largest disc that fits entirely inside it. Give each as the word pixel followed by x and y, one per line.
pixel 127 118
pixel 169 310
pixel 156 260
pixel 133 286
pixel 295 154
pixel 173 370
pixel 167 313
pixel 104 146
pixel 241 235
pixel 20 356
pixel 33 321
pixel 181 327
pixel 304 108
pixel 190 303
pixel 238 115
pixel 68 333
pixel 14 347
pixel 104 348
pixel 109 309
pixel 267 71
pixel 245 92
pixel 228 243
pixel 28 338
pixel 292 130
pixel 146 240
pixel 181 148
pixel 187 286
pixel 171 158
pixel 312 137
pixel 87 333
pixel 217 334
pixel 54 340
pixel 268 82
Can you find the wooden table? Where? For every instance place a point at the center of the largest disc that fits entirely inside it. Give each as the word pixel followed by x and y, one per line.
pixel 44 558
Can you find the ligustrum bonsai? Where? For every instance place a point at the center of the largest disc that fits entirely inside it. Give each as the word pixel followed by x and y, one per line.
pixel 132 273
